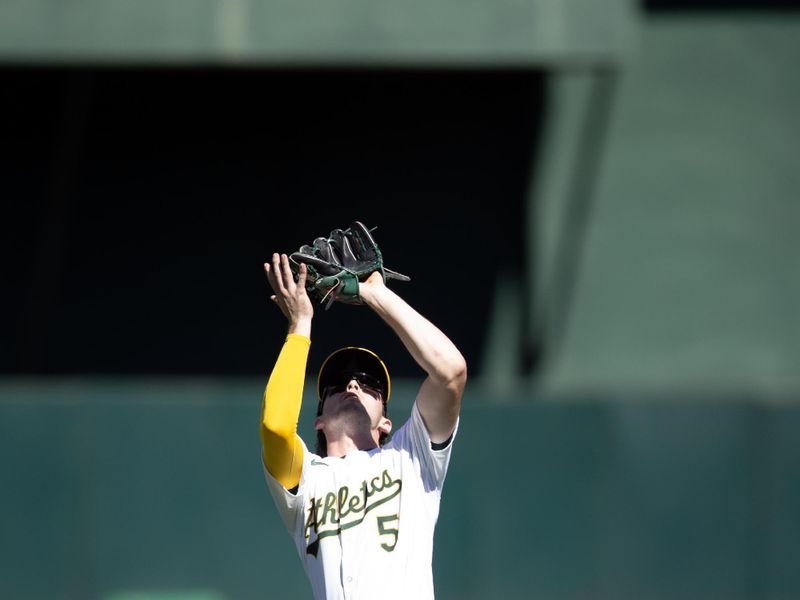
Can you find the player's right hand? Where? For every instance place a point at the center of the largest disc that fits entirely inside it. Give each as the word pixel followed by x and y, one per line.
pixel 290 296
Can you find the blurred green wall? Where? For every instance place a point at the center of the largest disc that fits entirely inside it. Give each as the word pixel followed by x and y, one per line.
pixel 690 272
pixel 316 32
pixel 156 486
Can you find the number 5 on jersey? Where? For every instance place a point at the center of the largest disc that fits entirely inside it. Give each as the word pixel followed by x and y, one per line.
pixel 384 530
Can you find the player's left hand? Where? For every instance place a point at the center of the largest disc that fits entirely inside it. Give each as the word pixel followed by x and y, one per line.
pixel 339 264
pixel 371 284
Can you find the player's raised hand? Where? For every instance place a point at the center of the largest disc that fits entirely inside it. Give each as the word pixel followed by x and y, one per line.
pixel 290 296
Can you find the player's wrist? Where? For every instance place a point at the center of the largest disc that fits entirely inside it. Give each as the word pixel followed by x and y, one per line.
pixel 300 326
pixel 371 288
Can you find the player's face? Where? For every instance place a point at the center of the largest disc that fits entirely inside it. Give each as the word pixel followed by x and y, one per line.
pixel 356 391
pixel 356 388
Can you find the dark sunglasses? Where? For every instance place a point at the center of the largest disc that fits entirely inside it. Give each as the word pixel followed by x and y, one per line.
pixel 366 381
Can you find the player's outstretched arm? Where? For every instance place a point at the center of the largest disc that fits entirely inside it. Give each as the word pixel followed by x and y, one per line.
pixel 439 398
pixel 282 450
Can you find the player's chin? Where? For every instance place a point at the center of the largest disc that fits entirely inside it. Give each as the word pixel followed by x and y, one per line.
pixel 349 403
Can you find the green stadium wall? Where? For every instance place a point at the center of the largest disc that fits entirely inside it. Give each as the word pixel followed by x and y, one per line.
pixel 155 487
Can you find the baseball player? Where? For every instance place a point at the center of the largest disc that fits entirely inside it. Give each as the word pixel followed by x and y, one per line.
pixel 361 509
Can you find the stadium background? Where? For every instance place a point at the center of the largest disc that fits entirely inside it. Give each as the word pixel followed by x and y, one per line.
pixel 616 183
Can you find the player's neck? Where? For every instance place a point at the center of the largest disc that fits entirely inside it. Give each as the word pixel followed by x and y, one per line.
pixel 344 444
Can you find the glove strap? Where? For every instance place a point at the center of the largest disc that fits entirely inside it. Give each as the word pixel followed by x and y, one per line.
pixel 343 289
pixel 389 274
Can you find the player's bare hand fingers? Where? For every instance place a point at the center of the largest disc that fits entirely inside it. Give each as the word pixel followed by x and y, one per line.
pixel 288 277
pixel 277 275
pixel 301 278
pixel 270 275
pixel 270 271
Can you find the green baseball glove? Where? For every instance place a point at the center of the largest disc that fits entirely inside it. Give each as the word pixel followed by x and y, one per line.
pixel 337 264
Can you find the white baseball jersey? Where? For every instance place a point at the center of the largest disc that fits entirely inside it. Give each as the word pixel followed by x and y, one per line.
pixel 363 524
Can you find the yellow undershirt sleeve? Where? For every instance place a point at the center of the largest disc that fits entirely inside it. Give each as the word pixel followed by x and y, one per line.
pixel 281 449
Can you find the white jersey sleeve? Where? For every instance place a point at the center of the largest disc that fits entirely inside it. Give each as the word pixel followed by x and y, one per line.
pixel 413 438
